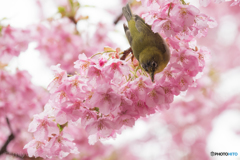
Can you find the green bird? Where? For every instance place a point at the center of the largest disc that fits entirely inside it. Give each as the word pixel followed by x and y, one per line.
pixel 149 48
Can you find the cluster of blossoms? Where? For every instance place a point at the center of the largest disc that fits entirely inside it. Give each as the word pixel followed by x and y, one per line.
pixel 17 95
pixel 185 129
pixel 188 133
pixel 56 41
pixel 178 23
pixel 60 42
pixel 99 39
pixel 205 3
pixel 12 42
pixel 108 94
pixel 19 100
pixel 59 39
pixel 104 98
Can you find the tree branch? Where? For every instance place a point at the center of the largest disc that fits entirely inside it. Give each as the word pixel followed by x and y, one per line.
pixel 10 138
pixel 73 20
pixel 126 53
pixel 15 155
pixel 118 18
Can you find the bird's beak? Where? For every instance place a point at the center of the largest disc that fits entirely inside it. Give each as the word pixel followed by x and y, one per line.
pixel 152 76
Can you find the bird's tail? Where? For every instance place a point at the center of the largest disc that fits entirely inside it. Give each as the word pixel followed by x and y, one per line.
pixel 127 12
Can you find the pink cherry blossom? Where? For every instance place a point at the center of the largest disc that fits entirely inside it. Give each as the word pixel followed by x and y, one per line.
pixel 168 26
pixel 106 99
pixel 103 127
pixel 60 75
pixel 126 108
pixel 95 73
pixel 12 42
pixel 188 61
pixel 74 86
pixel 70 110
pixel 36 148
pixel 183 82
pixel 60 95
pixel 83 63
pixel 185 14
pixel 61 145
pixel 126 120
pixel 142 108
pixel 42 127
pixel 115 69
pixel 155 97
pixel 141 87
pixel 170 73
pixel 88 117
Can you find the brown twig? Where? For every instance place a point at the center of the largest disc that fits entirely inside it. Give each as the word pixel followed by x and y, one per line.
pixel 126 53
pixel 73 20
pixel 170 7
pixel 132 57
pixel 9 139
pixel 15 155
pixel 118 18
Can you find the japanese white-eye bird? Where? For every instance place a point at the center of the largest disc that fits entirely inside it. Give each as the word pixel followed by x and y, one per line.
pixel 149 48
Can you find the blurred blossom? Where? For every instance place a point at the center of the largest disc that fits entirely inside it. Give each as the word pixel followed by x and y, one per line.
pixel 12 42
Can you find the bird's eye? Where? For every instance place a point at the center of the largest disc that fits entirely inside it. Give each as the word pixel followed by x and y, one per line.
pixel 154 64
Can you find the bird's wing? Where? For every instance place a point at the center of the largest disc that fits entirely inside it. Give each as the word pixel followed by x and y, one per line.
pixel 127 12
pixel 128 34
pixel 146 30
pixel 159 42
pixel 141 25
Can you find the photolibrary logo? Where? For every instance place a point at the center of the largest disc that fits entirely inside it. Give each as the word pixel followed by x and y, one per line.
pixel 224 153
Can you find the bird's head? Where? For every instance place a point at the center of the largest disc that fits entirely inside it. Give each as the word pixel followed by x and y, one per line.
pixel 150 67
pixel 152 61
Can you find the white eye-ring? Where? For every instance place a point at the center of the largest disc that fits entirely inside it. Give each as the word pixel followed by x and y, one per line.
pixel 154 64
